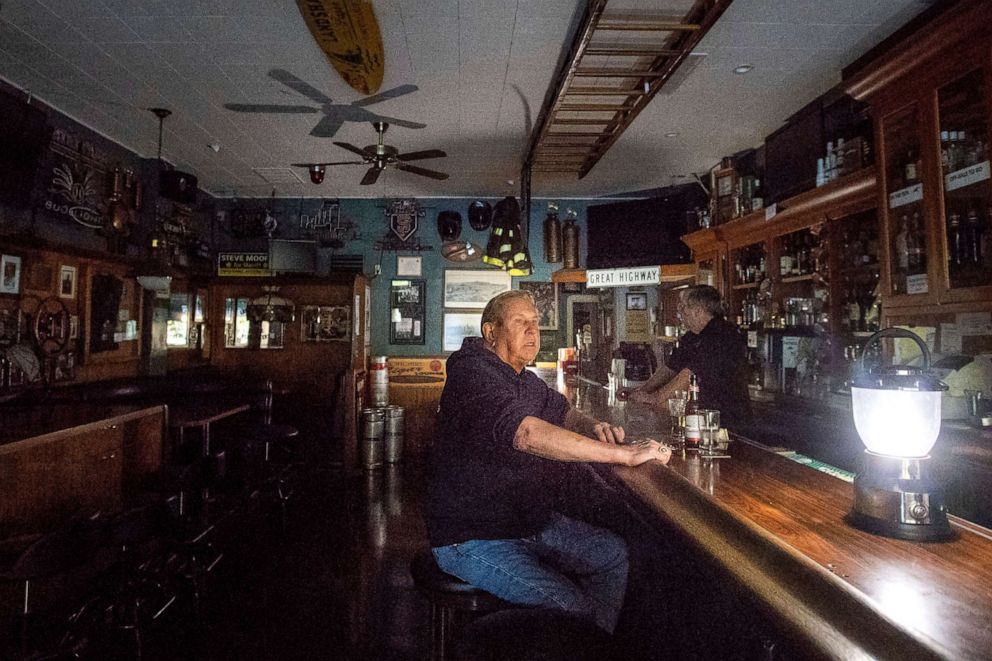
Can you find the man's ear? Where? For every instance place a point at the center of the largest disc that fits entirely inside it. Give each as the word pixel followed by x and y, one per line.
pixel 488 332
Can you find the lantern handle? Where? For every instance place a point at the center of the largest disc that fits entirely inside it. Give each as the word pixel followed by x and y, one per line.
pixel 897 333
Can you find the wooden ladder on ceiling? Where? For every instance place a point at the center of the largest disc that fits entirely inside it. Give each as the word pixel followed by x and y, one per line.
pixel 602 85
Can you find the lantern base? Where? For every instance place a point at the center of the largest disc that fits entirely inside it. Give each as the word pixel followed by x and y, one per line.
pixel 897 497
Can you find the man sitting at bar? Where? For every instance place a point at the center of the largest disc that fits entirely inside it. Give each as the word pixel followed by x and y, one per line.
pixel 714 350
pixel 498 465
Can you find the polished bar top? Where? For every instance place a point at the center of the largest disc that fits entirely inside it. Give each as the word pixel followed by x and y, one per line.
pixel 30 424
pixel 777 528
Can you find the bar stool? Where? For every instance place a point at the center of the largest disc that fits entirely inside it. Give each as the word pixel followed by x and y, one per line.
pixel 55 554
pixel 137 596
pixel 447 595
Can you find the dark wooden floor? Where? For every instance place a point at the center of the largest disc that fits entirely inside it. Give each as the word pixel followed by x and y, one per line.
pixel 337 586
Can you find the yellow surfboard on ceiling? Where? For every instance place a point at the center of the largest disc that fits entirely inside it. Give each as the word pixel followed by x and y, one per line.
pixel 348 33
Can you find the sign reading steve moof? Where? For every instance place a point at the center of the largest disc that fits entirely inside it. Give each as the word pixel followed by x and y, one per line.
pixel 638 275
pixel 243 263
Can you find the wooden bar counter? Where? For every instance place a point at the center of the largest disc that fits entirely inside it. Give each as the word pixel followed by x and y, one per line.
pixel 63 459
pixel 774 530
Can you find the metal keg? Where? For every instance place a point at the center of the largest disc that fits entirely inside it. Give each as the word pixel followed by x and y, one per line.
pixel 393 440
pixel 373 425
pixel 379 381
pixel 570 244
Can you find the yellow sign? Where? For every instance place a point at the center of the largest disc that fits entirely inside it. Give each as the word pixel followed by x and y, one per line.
pixel 416 372
pixel 348 33
pixel 243 263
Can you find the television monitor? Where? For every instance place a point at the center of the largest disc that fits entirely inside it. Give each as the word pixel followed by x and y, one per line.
pixel 641 232
pixel 287 256
pixel 24 133
pixel 791 153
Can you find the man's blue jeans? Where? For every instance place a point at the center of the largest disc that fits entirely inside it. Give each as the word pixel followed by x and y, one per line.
pixel 570 565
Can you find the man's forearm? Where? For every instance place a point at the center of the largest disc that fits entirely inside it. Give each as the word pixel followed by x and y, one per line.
pixel 535 436
pixel 661 376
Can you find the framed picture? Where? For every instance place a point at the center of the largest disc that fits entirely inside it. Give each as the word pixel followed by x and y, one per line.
pixel 546 297
pixel 326 323
pixel 407 311
pixel 10 274
pixel 458 326
pixel 67 281
pixel 637 301
pixel 470 288
pixel 409 266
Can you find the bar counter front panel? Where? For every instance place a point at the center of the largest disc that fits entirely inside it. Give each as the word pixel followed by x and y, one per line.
pixel 776 529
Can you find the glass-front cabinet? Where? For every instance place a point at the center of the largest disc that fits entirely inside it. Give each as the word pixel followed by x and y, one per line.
pixel 905 209
pixel 963 111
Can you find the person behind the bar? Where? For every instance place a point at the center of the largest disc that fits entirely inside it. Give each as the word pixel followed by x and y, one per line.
pixel 714 350
pixel 498 464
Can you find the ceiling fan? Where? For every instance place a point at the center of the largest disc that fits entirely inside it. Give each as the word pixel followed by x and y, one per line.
pixel 334 114
pixel 379 156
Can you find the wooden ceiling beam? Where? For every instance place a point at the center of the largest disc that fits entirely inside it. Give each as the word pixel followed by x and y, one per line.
pixel 629 51
pixel 616 73
pixel 616 24
pixel 601 91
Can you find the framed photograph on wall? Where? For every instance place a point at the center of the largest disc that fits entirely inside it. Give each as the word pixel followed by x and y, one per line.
pixel 67 281
pixel 10 274
pixel 637 301
pixel 409 266
pixel 546 297
pixel 458 326
pixel 407 311
pixel 472 288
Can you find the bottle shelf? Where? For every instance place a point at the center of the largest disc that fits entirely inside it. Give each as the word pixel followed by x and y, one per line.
pixel 747 285
pixel 798 278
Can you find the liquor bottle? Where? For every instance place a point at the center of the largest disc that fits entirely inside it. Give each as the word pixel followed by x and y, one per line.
pixel 786 260
pixel 973 238
pixel 693 423
pixel 821 172
pixel 910 167
pixel 853 309
pixel 954 247
pixel 952 151
pixel 902 245
pixel 917 257
pixel 839 168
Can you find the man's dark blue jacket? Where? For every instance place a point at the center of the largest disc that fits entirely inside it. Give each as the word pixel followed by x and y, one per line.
pixel 479 486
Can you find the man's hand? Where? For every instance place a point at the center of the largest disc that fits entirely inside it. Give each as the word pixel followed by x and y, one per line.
pixel 607 433
pixel 646 450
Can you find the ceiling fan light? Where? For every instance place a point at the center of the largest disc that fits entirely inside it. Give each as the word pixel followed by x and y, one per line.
pixel 317 173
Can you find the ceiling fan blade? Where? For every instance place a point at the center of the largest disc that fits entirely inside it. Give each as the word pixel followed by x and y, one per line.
pixel 309 165
pixel 384 96
pixel 424 172
pixel 371 176
pixel 417 155
pixel 299 86
pixel 327 126
pixel 270 108
pixel 352 148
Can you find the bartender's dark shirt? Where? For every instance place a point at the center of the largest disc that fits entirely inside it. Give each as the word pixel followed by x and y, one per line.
pixel 718 358
pixel 479 486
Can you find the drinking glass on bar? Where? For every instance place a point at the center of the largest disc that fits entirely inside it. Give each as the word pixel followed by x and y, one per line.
pixel 676 409
pixel 709 441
